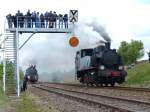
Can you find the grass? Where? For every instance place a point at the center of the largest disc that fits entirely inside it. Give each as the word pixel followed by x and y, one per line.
pixel 31 103
pixel 3 98
pixel 4 103
pixel 139 75
pixel 23 104
pixel 26 104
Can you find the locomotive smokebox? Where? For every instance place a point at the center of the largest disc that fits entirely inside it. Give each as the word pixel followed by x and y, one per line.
pixel 107 44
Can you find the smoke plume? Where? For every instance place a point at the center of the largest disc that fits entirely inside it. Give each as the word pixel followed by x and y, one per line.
pixel 100 30
pixel 52 53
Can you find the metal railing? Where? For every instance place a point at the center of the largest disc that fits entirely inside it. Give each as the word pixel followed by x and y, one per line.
pixel 29 22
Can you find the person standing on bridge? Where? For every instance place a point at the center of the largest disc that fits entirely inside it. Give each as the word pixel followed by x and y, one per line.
pixel 42 19
pixel 9 20
pixel 46 19
pixel 51 18
pixel 21 20
pixel 37 21
pixel 28 19
pixel 60 18
pixel 18 16
pixel 65 18
pixel 14 19
pixel 55 19
pixel 33 17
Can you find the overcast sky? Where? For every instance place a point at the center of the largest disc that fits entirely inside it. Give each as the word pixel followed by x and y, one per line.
pixel 122 19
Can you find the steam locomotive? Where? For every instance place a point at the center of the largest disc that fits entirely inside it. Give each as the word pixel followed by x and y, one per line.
pixel 31 74
pixel 100 66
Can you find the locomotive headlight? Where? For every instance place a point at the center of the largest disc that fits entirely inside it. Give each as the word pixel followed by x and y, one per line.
pixel 102 67
pixel 28 77
pixel 120 68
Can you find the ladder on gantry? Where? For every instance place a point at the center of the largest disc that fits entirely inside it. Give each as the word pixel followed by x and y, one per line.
pixel 10 63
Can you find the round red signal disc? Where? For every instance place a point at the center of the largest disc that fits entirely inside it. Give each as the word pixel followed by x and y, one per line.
pixel 73 41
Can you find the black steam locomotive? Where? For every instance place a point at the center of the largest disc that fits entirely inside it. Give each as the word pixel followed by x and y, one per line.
pixel 31 74
pixel 99 65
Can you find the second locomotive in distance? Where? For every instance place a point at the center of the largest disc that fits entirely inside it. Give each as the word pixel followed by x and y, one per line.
pixel 31 74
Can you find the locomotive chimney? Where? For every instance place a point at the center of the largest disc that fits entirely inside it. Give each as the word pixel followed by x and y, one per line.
pixel 107 44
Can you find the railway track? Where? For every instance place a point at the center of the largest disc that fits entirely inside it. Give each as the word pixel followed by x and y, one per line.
pixel 114 103
pixel 115 87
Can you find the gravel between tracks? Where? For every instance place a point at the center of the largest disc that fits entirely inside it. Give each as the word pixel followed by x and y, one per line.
pixel 65 105
pixel 128 105
pixel 142 96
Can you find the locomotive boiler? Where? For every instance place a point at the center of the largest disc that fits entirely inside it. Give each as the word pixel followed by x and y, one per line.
pixel 100 66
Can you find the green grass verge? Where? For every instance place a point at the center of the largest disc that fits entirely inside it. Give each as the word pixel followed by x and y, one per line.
pixel 27 104
pixel 3 98
pixel 4 102
pixel 31 103
pixel 139 75
pixel 24 103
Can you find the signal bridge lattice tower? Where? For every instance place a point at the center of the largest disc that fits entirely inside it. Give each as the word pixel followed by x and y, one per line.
pixel 11 49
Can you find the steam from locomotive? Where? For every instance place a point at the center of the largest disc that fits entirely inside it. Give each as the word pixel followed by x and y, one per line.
pixel 100 30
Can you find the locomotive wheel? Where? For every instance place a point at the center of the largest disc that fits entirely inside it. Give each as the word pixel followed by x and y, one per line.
pixel 106 84
pixel 87 84
pixel 97 85
pixel 112 84
pixel 82 83
pixel 85 79
pixel 101 85
pixel 91 84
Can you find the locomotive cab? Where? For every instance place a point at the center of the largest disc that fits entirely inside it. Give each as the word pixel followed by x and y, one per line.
pixel 83 61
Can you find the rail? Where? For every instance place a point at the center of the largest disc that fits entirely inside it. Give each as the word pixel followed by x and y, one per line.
pixel 132 105
pixel 115 87
pixel 84 100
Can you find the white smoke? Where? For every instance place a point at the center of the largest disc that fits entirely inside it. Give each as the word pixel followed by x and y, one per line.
pixel 52 52
pixel 100 30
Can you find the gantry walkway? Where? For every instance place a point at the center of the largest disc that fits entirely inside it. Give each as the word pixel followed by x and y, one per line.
pixel 41 30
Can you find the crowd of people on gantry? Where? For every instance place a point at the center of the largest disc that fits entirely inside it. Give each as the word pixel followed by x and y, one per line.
pixel 37 20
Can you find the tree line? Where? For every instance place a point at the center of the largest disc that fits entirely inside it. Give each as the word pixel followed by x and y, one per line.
pixel 131 52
